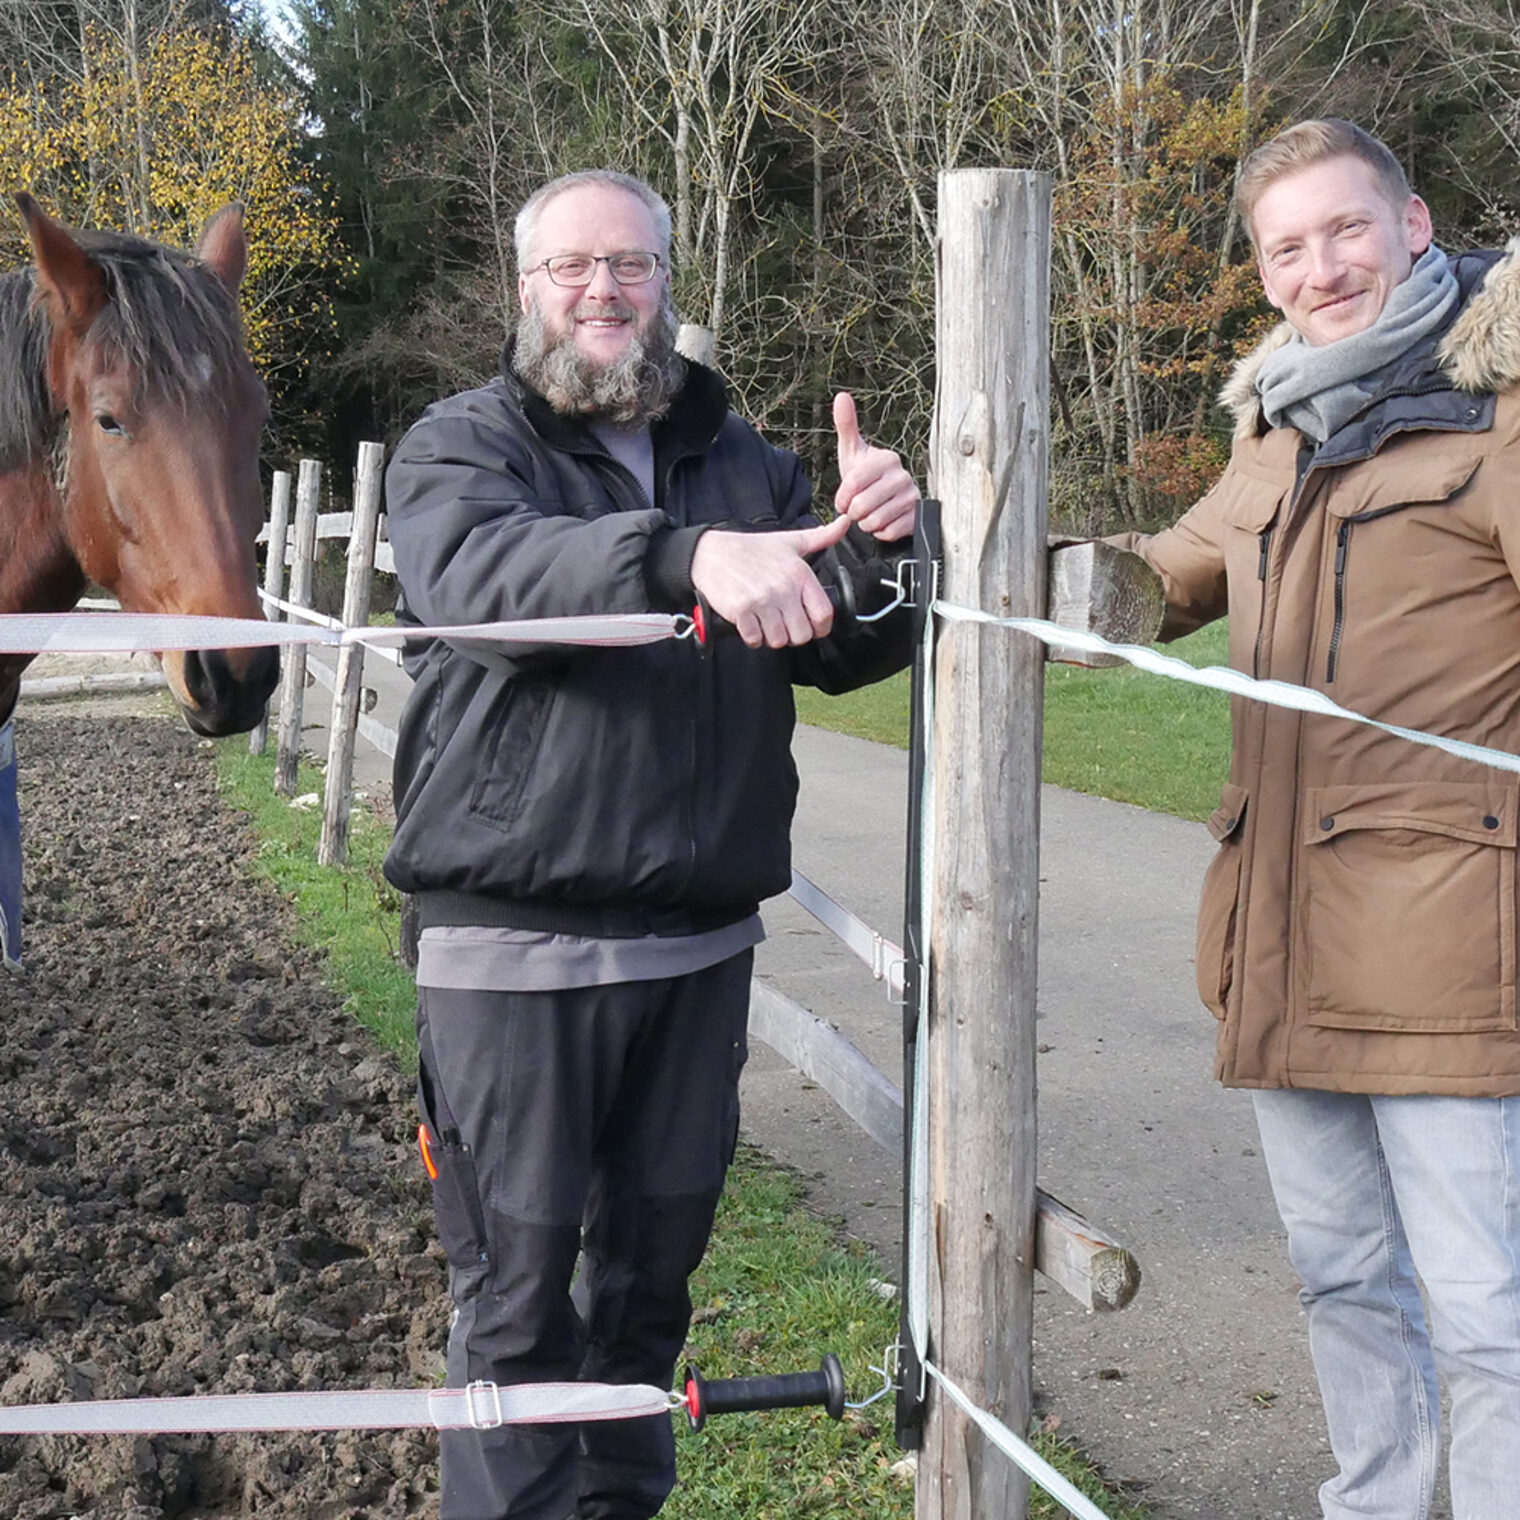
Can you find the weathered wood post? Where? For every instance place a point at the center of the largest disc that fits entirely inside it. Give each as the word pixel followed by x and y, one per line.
pixel 274 577
pixel 293 677
pixel 347 695
pixel 989 470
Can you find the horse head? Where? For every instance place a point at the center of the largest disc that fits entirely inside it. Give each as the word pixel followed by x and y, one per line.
pixel 155 462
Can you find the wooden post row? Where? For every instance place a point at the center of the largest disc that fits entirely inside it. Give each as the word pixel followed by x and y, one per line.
pixel 293 677
pixel 989 471
pixel 347 695
pixel 274 577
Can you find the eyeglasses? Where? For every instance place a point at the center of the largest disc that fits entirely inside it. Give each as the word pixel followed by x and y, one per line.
pixel 628 268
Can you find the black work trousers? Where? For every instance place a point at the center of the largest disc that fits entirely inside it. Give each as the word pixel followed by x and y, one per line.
pixel 596 1123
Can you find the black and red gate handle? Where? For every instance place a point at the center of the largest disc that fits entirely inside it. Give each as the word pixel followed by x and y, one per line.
pixel 791 1390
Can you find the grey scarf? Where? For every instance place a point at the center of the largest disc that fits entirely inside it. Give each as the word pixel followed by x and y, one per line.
pixel 1317 390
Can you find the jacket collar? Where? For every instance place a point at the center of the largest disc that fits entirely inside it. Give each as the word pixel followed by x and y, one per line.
pixel 1479 353
pixel 690 426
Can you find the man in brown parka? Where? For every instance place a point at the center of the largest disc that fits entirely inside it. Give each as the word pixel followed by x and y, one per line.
pixel 1357 936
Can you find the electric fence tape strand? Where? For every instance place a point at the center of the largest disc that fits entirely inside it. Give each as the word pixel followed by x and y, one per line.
pixel 128 632
pixel 917 1285
pixel 1026 1457
pixel 301 614
pixel 1273 693
pixel 481 1406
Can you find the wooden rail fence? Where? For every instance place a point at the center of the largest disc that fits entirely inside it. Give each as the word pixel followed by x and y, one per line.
pixel 1079 1257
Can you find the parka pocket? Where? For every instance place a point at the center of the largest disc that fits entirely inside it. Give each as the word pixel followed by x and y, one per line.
pixel 514 730
pixel 450 1167
pixel 1408 906
pixel 1218 909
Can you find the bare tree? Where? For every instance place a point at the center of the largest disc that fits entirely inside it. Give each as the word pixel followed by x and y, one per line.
pixel 698 76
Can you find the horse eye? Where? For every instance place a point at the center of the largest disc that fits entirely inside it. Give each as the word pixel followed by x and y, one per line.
pixel 109 425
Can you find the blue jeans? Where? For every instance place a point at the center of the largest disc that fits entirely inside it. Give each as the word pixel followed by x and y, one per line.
pixel 1374 1190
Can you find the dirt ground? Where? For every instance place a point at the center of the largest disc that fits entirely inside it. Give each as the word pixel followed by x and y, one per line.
pixel 208 1179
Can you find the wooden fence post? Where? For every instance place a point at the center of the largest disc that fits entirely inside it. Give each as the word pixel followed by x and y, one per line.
pixel 293 678
pixel 344 729
pixel 989 470
pixel 274 577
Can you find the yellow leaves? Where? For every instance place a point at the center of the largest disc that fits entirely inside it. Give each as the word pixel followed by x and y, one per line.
pixel 156 143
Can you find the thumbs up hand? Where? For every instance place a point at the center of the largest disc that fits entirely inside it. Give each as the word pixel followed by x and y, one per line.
pixel 875 492
pixel 763 585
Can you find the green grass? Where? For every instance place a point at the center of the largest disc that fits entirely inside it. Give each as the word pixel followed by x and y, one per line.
pixel 1114 732
pixel 777 1288
pixel 1138 738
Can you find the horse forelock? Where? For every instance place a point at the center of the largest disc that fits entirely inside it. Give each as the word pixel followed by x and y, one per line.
pixel 169 318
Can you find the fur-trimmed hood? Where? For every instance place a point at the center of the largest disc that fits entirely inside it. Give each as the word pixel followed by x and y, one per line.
pixel 1480 351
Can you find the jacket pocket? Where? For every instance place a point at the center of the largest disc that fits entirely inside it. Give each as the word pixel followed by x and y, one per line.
pixel 514 733
pixel 1218 909
pixel 1405 477
pixel 1408 906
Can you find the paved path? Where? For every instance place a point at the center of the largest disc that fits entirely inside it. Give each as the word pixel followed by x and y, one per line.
pixel 1201 1392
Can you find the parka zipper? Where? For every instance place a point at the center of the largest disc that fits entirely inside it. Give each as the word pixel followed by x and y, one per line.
pixel 1261 621
pixel 1342 539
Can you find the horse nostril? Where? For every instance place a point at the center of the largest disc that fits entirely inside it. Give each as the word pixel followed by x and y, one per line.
pixel 200 681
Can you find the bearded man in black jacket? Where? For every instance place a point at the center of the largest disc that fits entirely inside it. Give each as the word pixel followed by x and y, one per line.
pixel 589 832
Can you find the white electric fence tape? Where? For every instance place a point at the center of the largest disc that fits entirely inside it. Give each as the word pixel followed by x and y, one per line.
pixel 299 613
pixel 486 1405
pixel 917 1286
pixel 1059 1489
pixel 481 1406
pixel 126 632
pixel 1273 693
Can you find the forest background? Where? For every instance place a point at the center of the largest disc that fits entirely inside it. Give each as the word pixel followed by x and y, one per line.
pixel 381 148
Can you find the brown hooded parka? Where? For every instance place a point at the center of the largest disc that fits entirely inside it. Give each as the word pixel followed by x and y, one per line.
pixel 1358 927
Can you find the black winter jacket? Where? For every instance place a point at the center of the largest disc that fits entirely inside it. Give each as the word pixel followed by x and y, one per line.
pixel 597 791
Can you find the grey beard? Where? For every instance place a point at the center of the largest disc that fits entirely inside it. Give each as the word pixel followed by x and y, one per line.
pixel 637 388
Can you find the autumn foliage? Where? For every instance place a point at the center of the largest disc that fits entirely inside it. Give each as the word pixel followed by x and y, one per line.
pixel 155 143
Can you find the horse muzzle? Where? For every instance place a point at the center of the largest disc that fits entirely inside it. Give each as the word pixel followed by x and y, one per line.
pixel 225 698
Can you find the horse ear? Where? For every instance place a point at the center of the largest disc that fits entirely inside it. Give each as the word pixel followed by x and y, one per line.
pixel 72 284
pixel 223 248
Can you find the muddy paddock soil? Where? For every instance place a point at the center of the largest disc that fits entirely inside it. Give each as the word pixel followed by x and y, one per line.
pixel 206 1176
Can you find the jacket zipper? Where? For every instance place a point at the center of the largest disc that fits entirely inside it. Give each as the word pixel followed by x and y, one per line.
pixel 1261 620
pixel 1342 539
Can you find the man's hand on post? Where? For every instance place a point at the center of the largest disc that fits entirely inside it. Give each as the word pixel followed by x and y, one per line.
pixel 875 492
pixel 763 585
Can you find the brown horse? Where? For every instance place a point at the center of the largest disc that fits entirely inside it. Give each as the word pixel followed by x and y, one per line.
pixel 129 429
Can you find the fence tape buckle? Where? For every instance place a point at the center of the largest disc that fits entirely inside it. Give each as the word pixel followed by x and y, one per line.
pixel 493 1416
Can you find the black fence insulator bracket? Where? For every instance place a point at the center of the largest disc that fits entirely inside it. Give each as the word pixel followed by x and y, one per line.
pixel 926 566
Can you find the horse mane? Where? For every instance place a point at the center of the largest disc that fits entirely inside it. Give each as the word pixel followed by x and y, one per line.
pixel 27 423
pixel 165 316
